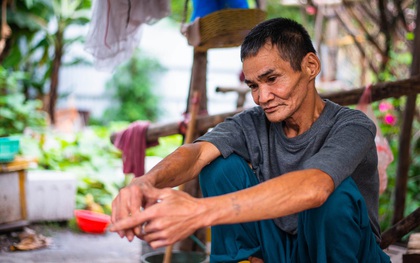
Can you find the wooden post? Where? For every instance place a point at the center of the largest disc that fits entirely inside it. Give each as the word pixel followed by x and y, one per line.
pixel 330 73
pixel 198 79
pixel 196 102
pixel 404 158
pixel 22 183
pixel 194 107
pixel 198 87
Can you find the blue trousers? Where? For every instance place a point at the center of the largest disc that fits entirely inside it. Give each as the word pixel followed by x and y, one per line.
pixel 338 231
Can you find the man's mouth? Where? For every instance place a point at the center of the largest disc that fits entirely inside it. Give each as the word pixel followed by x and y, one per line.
pixel 270 109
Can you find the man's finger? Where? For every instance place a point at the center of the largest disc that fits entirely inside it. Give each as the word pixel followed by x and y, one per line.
pixel 137 231
pixel 135 201
pixel 129 234
pixel 154 195
pixel 114 214
pixel 136 219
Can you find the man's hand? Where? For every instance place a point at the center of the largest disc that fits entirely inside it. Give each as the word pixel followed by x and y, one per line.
pixel 174 216
pixel 175 208
pixel 129 202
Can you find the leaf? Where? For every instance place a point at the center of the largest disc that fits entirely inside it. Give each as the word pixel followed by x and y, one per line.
pixel 29 3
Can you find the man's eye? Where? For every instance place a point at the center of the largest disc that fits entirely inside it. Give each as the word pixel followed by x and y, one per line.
pixel 252 86
pixel 271 79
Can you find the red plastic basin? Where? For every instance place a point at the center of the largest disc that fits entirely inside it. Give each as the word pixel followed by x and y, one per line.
pixel 92 222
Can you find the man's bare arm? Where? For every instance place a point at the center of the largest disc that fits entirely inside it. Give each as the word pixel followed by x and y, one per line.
pixel 178 215
pixel 284 195
pixel 181 166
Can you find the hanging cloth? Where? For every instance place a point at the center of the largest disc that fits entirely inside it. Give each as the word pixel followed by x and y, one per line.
pixel 385 155
pixel 115 29
pixel 133 144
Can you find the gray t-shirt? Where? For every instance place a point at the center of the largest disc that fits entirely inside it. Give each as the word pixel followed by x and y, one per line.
pixel 340 143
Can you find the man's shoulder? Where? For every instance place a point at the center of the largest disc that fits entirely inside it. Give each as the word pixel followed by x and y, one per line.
pixel 344 111
pixel 345 115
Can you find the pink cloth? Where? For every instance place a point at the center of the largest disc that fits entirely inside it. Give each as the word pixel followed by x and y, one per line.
pixel 385 155
pixel 133 144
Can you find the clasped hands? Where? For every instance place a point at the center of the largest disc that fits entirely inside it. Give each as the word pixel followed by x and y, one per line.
pixel 160 217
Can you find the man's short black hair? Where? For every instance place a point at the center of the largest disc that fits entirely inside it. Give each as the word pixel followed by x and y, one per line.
pixel 290 37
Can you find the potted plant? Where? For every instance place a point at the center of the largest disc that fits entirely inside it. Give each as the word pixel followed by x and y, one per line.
pixel 16 114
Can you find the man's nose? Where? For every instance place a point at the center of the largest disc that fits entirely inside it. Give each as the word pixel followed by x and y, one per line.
pixel 264 94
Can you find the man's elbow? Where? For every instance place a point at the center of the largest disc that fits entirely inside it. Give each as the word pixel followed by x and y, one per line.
pixel 322 191
pixel 319 197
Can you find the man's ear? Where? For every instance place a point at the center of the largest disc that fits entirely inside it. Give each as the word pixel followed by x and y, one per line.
pixel 311 65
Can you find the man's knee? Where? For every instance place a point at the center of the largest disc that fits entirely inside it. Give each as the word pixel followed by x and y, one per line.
pixel 345 204
pixel 339 229
pixel 225 175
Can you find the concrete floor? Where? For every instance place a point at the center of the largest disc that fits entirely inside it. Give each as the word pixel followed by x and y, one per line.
pixel 73 247
pixel 70 246
pixel 396 253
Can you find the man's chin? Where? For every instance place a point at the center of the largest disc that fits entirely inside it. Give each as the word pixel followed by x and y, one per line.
pixel 275 118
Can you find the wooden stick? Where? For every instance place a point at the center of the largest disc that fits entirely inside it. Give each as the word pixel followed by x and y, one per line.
pixel 383 90
pixel 193 118
pixel 400 229
pixel 188 139
pixel 168 254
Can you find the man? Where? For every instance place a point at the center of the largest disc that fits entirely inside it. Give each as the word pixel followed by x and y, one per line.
pixel 293 179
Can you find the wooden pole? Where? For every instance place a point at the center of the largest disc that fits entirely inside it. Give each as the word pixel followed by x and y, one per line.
pixel 189 138
pixel 400 229
pixel 383 90
pixel 404 158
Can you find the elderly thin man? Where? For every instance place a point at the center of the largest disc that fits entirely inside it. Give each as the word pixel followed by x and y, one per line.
pixel 293 179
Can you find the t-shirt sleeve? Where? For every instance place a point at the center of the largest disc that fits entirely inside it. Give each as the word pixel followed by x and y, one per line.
pixel 228 137
pixel 344 151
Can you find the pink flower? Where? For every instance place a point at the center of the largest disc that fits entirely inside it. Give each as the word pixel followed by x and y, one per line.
pixel 385 106
pixel 311 10
pixel 390 119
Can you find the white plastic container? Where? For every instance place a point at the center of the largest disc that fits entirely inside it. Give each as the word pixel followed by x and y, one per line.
pixel 50 195
pixel 10 198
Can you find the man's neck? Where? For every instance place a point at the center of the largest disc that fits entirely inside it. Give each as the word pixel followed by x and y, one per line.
pixel 295 126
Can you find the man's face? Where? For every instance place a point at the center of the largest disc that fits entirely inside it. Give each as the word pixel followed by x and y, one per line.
pixel 275 86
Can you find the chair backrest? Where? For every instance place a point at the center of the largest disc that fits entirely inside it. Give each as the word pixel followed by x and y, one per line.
pixel 224 28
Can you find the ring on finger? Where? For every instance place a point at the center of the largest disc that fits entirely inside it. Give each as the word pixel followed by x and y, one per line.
pixel 143 231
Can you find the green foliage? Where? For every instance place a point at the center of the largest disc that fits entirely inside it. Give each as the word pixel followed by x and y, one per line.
pixel 17 113
pixel 178 10
pixel 38 37
pixel 90 156
pixel 131 87
pixel 297 13
pixel 166 145
pixel 392 133
pixel 9 80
